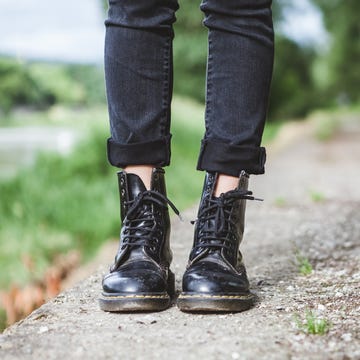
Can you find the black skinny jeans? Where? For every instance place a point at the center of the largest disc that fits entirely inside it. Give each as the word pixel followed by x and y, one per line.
pixel 138 73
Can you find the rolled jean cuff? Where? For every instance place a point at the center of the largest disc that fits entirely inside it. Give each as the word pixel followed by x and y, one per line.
pixel 156 152
pixel 231 159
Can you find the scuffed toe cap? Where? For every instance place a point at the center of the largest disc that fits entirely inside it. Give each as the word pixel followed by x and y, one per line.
pixel 208 277
pixel 143 278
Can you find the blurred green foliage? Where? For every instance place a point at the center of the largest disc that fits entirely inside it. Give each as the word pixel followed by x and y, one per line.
pixel 292 88
pixel 17 86
pixel 40 85
pixel 343 58
pixel 46 209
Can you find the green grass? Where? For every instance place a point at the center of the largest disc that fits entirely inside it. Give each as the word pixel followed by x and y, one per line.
pixel 3 319
pixel 301 261
pixel 64 203
pixel 57 205
pixel 280 201
pixel 304 266
pixel 317 196
pixel 313 324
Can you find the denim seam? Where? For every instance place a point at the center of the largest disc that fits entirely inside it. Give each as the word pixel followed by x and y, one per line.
pixel 208 86
pixel 165 97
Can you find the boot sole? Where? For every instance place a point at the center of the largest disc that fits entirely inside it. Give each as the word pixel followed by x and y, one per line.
pixel 114 302
pixel 215 303
pixel 130 303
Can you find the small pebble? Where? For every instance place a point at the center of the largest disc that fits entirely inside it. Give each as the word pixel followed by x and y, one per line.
pixel 347 337
pixel 43 329
pixel 5 345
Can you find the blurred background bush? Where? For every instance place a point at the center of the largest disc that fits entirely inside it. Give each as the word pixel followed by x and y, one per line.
pixel 69 201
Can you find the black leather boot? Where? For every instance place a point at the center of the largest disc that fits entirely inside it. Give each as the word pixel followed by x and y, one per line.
pixel 140 278
pixel 215 279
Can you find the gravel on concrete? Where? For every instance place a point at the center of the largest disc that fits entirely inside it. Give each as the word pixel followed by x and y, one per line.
pixel 312 209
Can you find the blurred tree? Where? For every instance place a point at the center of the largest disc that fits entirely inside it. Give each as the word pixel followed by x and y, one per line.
pixel 292 88
pixel 40 85
pixel 342 21
pixel 18 87
pixel 104 4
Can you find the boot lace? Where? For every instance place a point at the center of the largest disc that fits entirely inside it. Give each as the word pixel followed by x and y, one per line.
pixel 140 224
pixel 216 221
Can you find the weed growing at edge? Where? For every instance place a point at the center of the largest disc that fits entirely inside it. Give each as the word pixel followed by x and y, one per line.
pixel 280 201
pixel 317 196
pixel 2 320
pixel 302 262
pixel 304 266
pixel 313 324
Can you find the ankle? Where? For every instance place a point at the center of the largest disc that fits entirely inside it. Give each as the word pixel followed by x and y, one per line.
pixel 143 171
pixel 225 183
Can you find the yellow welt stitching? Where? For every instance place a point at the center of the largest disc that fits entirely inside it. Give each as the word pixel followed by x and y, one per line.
pixel 136 297
pixel 217 296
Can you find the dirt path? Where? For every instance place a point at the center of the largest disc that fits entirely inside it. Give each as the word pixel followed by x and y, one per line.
pixel 312 208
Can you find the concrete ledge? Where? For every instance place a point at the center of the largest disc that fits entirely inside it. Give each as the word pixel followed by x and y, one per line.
pixel 325 233
pixel 72 326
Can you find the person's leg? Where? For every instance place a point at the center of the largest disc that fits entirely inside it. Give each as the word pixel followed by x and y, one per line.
pixel 240 62
pixel 239 73
pixel 138 73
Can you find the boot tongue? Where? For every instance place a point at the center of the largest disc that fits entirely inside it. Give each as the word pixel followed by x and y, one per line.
pixel 135 186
